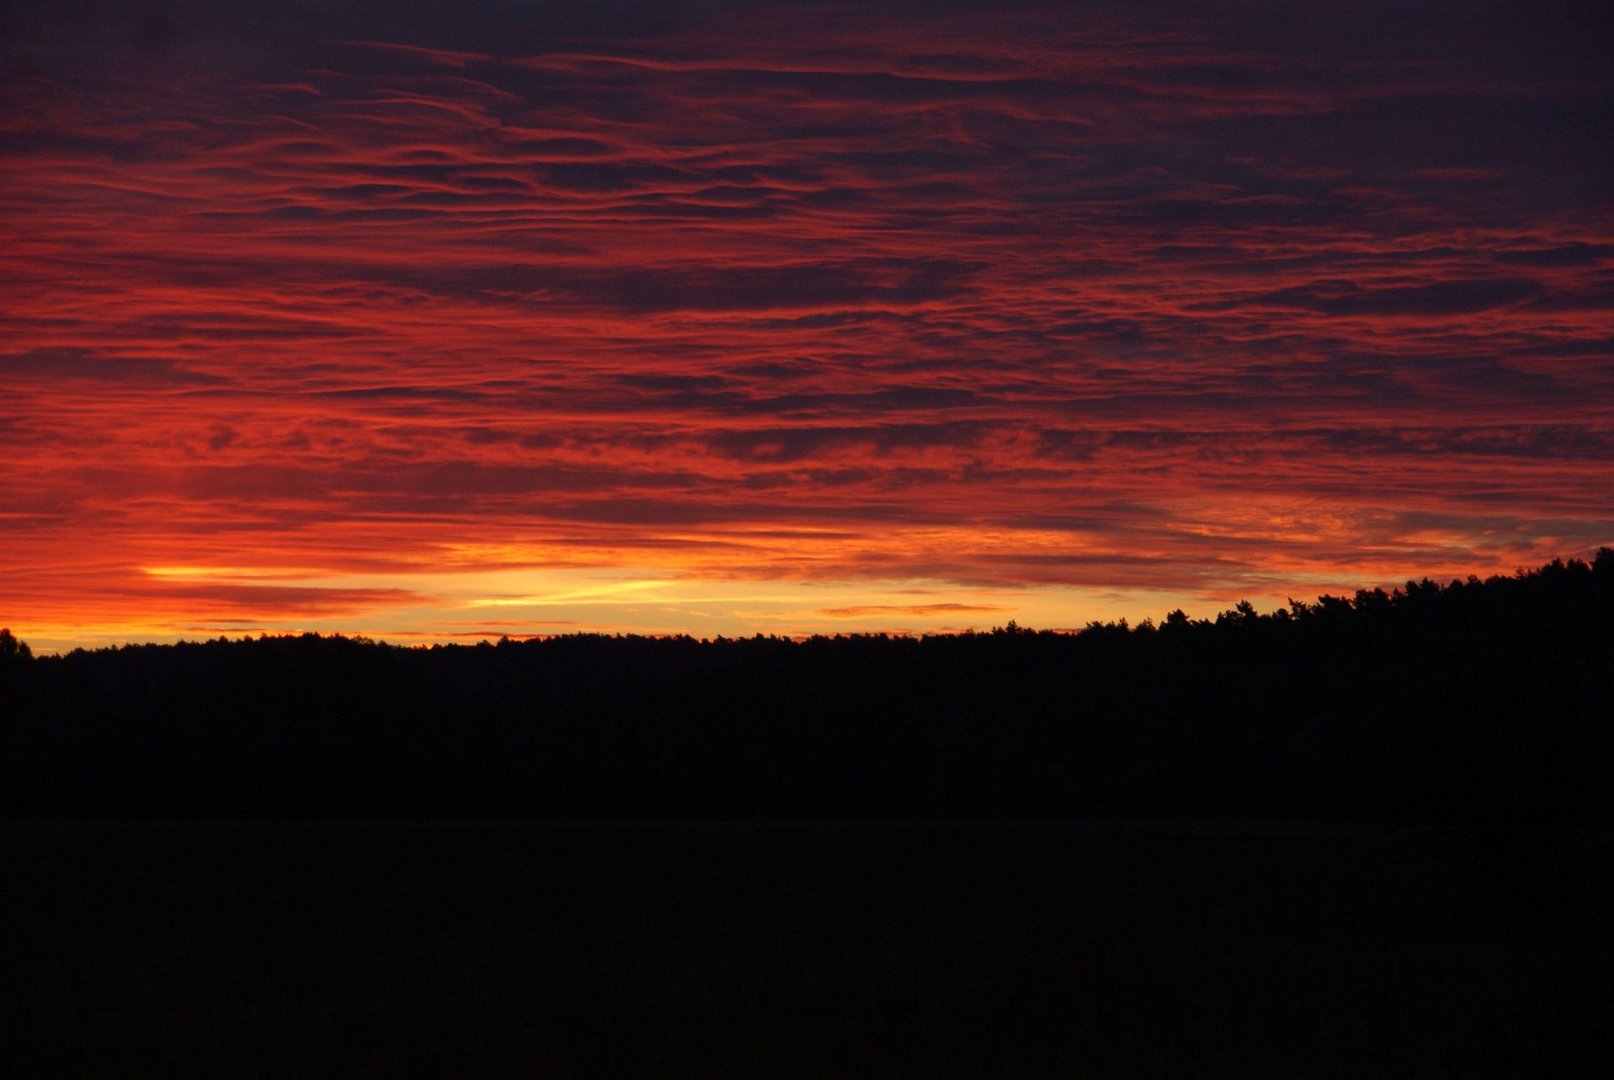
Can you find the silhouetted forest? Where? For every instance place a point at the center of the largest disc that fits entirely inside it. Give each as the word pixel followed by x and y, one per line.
pixel 1483 705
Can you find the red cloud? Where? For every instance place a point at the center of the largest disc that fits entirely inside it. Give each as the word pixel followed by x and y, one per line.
pixel 1035 298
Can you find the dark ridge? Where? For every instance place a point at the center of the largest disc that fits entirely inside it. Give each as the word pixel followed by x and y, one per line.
pixel 1480 705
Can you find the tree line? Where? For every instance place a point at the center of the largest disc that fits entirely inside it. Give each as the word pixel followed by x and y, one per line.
pixel 1485 704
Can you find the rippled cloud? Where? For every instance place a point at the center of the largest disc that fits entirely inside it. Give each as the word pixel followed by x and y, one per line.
pixel 1145 301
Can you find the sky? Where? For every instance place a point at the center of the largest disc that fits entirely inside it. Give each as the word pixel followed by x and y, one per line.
pixel 438 321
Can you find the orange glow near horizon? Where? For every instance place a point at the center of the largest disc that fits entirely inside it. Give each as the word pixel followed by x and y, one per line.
pixel 802 320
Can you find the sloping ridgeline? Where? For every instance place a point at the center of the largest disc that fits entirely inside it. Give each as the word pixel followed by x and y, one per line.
pixel 1478 704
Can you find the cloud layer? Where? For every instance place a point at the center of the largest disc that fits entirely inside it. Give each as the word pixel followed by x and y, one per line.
pixel 1204 302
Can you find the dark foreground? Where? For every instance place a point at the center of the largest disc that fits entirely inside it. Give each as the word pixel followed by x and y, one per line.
pixel 785 950
pixel 1481 707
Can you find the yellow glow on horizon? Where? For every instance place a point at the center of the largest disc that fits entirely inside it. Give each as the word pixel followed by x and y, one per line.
pixel 468 605
pixel 598 594
pixel 232 573
pixel 731 582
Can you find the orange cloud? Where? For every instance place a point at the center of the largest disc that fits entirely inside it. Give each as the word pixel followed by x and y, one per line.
pixel 1024 300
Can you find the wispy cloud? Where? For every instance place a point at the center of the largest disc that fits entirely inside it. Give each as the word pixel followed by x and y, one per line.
pixel 885 611
pixel 1042 297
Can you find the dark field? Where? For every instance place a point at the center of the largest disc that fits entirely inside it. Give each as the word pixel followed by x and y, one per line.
pixel 833 950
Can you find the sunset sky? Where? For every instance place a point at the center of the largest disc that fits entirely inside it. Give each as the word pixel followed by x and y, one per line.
pixel 432 320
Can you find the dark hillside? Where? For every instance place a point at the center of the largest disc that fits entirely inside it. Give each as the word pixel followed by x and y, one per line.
pixel 1478 705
